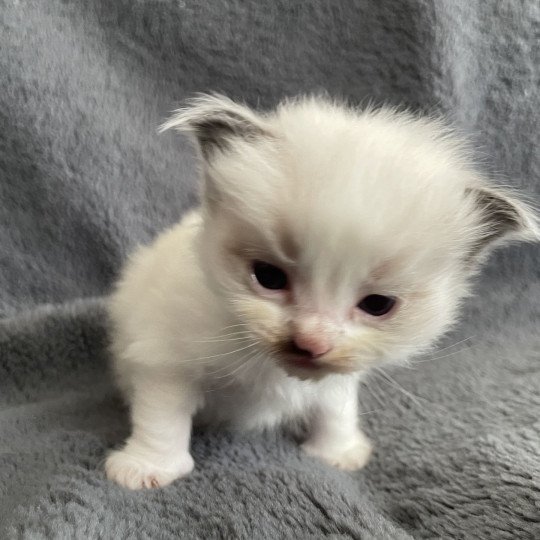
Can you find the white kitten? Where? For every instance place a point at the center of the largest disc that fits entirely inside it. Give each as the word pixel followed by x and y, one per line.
pixel 328 241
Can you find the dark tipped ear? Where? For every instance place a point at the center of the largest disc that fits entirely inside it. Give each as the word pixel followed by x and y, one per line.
pixel 503 219
pixel 215 120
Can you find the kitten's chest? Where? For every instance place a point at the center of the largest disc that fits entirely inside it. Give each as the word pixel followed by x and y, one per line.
pixel 261 397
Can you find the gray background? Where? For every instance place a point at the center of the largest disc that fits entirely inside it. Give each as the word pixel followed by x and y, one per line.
pixel 84 178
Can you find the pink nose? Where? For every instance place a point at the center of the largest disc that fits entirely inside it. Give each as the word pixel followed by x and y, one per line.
pixel 313 345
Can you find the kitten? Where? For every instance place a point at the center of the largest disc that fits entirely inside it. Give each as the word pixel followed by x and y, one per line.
pixel 328 241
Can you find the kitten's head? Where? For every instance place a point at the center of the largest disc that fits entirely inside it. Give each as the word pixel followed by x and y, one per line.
pixel 342 238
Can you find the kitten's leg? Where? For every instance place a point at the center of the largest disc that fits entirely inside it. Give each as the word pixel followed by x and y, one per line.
pixel 335 436
pixel 157 452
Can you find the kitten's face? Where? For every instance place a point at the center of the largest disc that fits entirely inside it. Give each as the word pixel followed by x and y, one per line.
pixel 323 297
pixel 341 240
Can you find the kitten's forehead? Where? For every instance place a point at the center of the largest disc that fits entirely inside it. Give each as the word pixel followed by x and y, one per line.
pixel 338 243
pixel 353 199
pixel 330 253
pixel 379 195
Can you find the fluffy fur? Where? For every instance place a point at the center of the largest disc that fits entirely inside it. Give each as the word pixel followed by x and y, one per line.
pixel 348 203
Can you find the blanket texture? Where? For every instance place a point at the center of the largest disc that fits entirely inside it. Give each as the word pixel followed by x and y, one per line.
pixel 84 178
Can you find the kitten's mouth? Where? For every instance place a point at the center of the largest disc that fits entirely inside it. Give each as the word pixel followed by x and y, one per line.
pixel 300 363
pixel 302 368
pixel 303 361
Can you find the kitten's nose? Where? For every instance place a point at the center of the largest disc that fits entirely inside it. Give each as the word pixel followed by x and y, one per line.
pixel 313 345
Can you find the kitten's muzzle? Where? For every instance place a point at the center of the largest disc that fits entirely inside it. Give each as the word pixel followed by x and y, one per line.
pixel 304 353
pixel 303 364
pixel 312 345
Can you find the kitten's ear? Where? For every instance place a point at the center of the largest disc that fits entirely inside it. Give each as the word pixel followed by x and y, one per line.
pixel 503 219
pixel 215 120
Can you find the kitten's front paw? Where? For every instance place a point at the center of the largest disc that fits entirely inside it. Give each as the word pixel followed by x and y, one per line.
pixel 135 472
pixel 348 457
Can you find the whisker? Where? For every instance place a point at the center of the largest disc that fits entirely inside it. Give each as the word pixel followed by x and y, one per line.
pixel 376 394
pixel 220 336
pixel 247 361
pixel 363 413
pixel 231 326
pixel 436 358
pixel 411 396
pixel 218 355
pixel 455 344
pixel 413 362
pixel 226 340
pixel 254 361
pixel 235 333
pixel 228 365
pixel 225 367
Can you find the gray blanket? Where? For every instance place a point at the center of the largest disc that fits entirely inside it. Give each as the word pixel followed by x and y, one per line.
pixel 85 178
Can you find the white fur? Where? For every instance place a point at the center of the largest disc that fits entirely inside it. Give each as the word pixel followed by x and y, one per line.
pixel 349 203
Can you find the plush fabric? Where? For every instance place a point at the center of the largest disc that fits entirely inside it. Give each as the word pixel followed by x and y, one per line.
pixel 85 178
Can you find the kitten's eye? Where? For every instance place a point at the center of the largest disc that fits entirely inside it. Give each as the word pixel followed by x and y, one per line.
pixel 377 304
pixel 269 276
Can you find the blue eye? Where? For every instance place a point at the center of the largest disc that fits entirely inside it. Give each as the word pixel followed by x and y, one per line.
pixel 269 276
pixel 377 304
